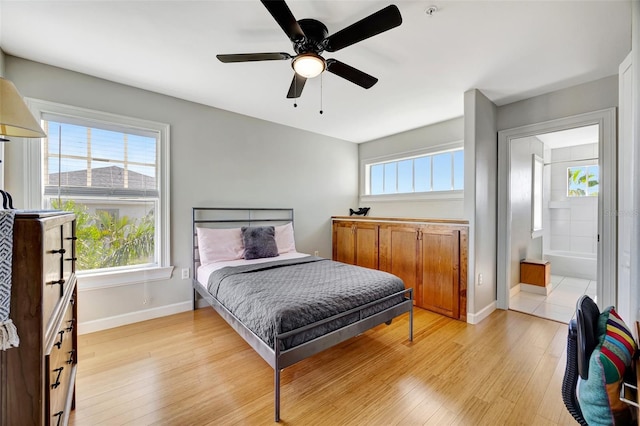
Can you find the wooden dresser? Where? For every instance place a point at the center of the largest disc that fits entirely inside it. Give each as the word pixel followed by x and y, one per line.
pixel 430 256
pixel 37 384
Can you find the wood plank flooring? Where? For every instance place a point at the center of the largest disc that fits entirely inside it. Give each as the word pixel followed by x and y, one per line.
pixel 193 369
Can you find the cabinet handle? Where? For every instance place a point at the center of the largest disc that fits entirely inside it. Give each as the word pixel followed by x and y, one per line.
pixel 59 342
pixel 59 416
pixel 71 354
pixel 60 251
pixel 71 259
pixel 57 383
pixel 70 327
pixel 55 282
pixel 71 238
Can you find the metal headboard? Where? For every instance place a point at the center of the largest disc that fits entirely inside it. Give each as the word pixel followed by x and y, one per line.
pixel 233 217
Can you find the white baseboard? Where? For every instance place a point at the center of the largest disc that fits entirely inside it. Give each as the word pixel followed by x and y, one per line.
pixel 536 289
pixel 130 318
pixel 514 290
pixel 484 313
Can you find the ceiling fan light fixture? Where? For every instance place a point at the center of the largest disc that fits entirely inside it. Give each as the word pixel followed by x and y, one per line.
pixel 308 65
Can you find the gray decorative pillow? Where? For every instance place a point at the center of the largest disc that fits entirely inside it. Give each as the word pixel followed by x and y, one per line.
pixel 259 242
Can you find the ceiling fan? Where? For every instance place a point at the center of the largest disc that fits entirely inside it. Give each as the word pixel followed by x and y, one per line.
pixel 310 38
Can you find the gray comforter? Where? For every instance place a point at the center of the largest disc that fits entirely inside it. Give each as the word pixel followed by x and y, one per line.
pixel 280 296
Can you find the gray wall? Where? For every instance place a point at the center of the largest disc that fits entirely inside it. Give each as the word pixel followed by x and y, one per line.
pixel 218 158
pixel 424 137
pixel 588 97
pixel 480 200
pixel 522 245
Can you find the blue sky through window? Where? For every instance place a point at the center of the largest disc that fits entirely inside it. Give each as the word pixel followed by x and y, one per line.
pixel 437 172
pixel 105 145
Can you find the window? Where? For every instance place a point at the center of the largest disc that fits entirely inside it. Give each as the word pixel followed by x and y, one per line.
pixel 112 172
pixel 431 173
pixel 536 195
pixel 583 181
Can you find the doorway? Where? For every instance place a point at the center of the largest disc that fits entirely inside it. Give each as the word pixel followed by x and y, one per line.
pixel 577 175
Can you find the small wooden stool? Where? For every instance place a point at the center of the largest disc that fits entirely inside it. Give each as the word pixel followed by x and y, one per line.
pixel 535 273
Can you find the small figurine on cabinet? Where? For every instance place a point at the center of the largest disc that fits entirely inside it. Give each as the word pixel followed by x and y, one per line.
pixel 362 211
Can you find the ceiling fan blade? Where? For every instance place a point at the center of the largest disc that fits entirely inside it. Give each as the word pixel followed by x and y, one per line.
pixel 350 73
pixel 297 84
pixel 379 22
pixel 249 57
pixel 283 16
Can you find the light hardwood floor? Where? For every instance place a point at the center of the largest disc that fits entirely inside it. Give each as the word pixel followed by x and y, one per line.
pixel 193 369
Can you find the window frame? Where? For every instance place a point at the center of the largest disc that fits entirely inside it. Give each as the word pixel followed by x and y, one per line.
pixel 410 196
pixel 34 191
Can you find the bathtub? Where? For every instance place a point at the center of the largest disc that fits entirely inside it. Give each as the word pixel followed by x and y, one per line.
pixel 573 264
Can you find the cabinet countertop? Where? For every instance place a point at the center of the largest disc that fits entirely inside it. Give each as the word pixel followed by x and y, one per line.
pixel 401 219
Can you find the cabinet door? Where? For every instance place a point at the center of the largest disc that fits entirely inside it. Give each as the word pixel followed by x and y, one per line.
pixel 344 242
pixel 440 268
pixel 399 253
pixel 356 243
pixel 366 236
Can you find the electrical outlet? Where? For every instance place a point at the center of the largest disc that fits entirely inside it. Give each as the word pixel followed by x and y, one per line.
pixel 316 253
pixel 185 273
pixel 480 280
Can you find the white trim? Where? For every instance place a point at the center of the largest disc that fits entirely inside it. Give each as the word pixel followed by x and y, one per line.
pixel 482 314
pixel 132 317
pixel 33 160
pixel 404 155
pixel 606 120
pixel 100 280
pixel 412 196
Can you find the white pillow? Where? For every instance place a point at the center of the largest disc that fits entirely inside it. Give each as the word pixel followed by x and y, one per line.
pixel 217 245
pixel 284 238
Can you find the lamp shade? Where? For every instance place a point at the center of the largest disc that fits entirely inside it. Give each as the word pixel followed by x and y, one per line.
pixel 308 65
pixel 15 117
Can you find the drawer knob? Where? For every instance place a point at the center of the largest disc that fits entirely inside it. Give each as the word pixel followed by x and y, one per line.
pixel 61 251
pixel 55 282
pixel 59 416
pixel 59 342
pixel 57 383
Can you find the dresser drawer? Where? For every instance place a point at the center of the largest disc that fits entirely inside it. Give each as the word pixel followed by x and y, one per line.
pixel 69 256
pixel 59 366
pixel 52 268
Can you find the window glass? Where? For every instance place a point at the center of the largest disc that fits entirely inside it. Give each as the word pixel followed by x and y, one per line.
pixel 390 178
pixel 458 170
pixel 422 170
pixel 109 178
pixel 441 171
pixel 377 179
pixel 405 176
pixel 583 181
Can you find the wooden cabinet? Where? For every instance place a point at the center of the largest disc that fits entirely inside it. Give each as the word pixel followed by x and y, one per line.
pixel 356 243
pixel 38 377
pixel 429 257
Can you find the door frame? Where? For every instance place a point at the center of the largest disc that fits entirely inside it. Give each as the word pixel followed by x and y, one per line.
pixel 607 244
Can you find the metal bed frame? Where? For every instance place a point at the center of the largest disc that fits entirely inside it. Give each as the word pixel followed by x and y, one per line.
pixel 279 359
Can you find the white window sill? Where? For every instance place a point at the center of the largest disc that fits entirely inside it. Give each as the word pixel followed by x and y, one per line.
pixel 99 280
pixel 435 195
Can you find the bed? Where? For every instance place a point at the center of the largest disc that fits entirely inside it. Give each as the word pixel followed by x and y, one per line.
pixel 286 305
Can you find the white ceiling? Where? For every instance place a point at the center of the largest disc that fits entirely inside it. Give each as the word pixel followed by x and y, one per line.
pixel 510 50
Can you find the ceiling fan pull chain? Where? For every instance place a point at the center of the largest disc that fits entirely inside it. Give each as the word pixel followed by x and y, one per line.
pixel 295 90
pixel 321 94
